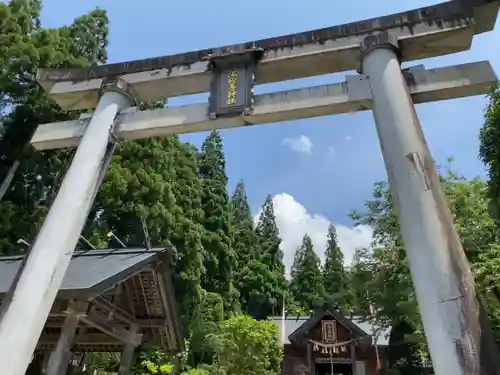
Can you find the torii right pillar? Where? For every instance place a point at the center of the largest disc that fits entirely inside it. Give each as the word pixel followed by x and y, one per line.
pixel 458 333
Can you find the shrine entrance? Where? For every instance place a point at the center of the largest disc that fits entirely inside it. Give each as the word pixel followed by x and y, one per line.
pixel 333 368
pixel 333 358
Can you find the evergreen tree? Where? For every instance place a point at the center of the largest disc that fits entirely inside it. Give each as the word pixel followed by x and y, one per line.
pixel 247 250
pixel 298 257
pixel 25 47
pixel 156 179
pixel 220 259
pixel 245 242
pixel 306 285
pixel 188 236
pixel 269 236
pixel 334 275
pixel 272 269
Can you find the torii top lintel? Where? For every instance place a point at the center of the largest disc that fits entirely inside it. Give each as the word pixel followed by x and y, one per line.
pixel 425 32
pixel 449 11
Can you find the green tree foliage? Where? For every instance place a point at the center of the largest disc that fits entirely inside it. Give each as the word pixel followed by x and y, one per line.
pixel 156 180
pixel 359 274
pixel 210 315
pixel 306 285
pixel 269 237
pixel 487 264
pixel 188 238
pixel 243 237
pixel 241 346
pixel 259 275
pixel 334 274
pixel 245 346
pixel 272 269
pixel 220 261
pixel 25 46
pixel 196 371
pixel 489 150
pixel 250 275
pixel 105 363
pixel 487 275
pixel 403 354
pixel 152 361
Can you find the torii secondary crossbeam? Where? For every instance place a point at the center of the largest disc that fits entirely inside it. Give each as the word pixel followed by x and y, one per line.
pixel 351 95
pixel 459 337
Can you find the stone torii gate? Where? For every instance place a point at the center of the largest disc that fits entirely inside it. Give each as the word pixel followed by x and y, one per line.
pixel 457 331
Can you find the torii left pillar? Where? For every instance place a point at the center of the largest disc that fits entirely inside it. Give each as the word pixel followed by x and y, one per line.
pixel 37 287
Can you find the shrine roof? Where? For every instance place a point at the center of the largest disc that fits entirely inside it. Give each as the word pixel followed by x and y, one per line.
pixel 292 323
pixel 122 287
pixel 90 272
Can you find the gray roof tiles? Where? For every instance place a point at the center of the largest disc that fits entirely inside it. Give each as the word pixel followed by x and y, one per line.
pixel 88 270
pixel 294 322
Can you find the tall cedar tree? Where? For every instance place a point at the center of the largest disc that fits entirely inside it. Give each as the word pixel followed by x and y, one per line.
pixel 306 285
pixel 272 272
pixel 26 46
pixel 244 239
pixel 334 275
pixel 156 180
pixel 220 261
pixel 245 243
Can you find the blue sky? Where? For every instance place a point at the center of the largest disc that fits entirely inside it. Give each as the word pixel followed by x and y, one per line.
pixel 336 175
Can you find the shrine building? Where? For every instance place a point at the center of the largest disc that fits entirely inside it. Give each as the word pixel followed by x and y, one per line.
pixel 329 343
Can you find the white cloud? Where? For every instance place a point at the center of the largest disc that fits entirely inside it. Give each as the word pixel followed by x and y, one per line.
pixel 348 138
pixel 294 221
pixel 301 144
